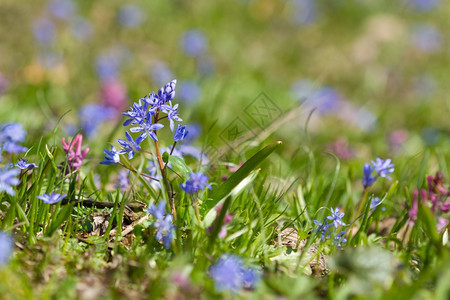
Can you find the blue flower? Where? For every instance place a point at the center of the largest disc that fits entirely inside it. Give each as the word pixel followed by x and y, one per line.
pixel 180 133
pixel 147 128
pixel 62 9
pixel 123 180
pixel 22 164
pixel 383 167
pixel 44 31
pixel 336 217
pixel 130 146
pixel 229 274
pixel 10 135
pixel 111 157
pixel 189 91
pixel 339 239
pixel 196 182
pixel 163 224
pixel 172 113
pixel 368 179
pixel 6 247
pixel 423 5
pixel 167 93
pixel 194 43
pixel 51 198
pixel 130 15
pixel 137 113
pixel 8 180
pixel 93 115
pixel 322 227
pixel 107 67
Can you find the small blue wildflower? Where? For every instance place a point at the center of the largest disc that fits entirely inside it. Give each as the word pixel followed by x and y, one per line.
pixel 322 227
pixel 51 198
pixel 189 91
pixel 180 133
pixel 44 31
pixel 8 180
pixel 147 128
pixel 368 179
pixel 193 43
pixel 123 180
pixel 92 116
pixel 383 167
pixel 196 182
pixel 130 15
pixel 107 67
pixel 111 157
pixel 339 239
pixel 62 9
pixel 336 217
pixel 6 247
pixel 137 113
pixel 167 93
pixel 374 202
pixel 130 146
pixel 22 164
pixel 163 224
pixel 172 113
pixel 13 132
pixel 229 274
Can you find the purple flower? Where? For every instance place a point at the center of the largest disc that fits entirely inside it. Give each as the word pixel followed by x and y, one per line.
pixel 130 146
pixel 339 239
pixel 6 247
pixel 180 133
pixel 336 217
pixel 51 198
pixel 368 179
pixel 194 43
pixel 62 9
pixel 172 113
pixel 229 274
pixel 322 227
pixel 147 128
pixel 138 112
pixel 92 116
pixel 8 180
pixel 22 164
pixel 427 38
pixel 44 31
pixel 167 93
pixel 73 151
pixel 130 16
pixel 196 182
pixel 189 91
pixel 383 167
pixel 163 224
pixel 111 157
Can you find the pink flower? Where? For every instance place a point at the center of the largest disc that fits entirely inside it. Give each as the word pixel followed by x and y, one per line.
pixel 74 154
pixel 113 94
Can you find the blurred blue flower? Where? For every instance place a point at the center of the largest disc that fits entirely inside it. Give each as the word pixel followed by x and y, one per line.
pixel 130 146
pixel 180 133
pixel 10 135
pixel 196 182
pixel 339 239
pixel 189 91
pixel 427 38
pixel 303 90
pixel 92 115
pixel 194 43
pixel 374 202
pixel 336 217
pixel 81 28
pixel 161 73
pixel 44 31
pixel 368 179
pixel 322 228
pixel 195 130
pixel 6 247
pixel 383 167
pixel 51 198
pixel 130 15
pixel 62 9
pixel 163 224
pixel 326 99
pixel 189 150
pixel 423 5
pixel 229 274
pixel 304 12
pixel 111 157
pixel 22 164
pixel 8 179
pixel 123 180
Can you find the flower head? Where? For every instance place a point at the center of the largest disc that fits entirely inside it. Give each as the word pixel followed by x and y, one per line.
pixel 336 217
pixel 123 180
pixel 383 167
pixel 147 128
pixel 93 115
pixel 196 182
pixel 130 146
pixel 194 43
pixel 167 93
pixel 73 151
pixel 8 180
pixel 51 198
pixel 6 247
pixel 368 179
pixel 180 133
pixel 163 224
pixel 322 227
pixel 172 113
pixel 111 157
pixel 22 164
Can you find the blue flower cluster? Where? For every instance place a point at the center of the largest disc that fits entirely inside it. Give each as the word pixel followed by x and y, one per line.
pixel 329 226
pixel 51 198
pixel 144 116
pixel 196 182
pixel 11 134
pixel 230 274
pixel 382 167
pixel 163 223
